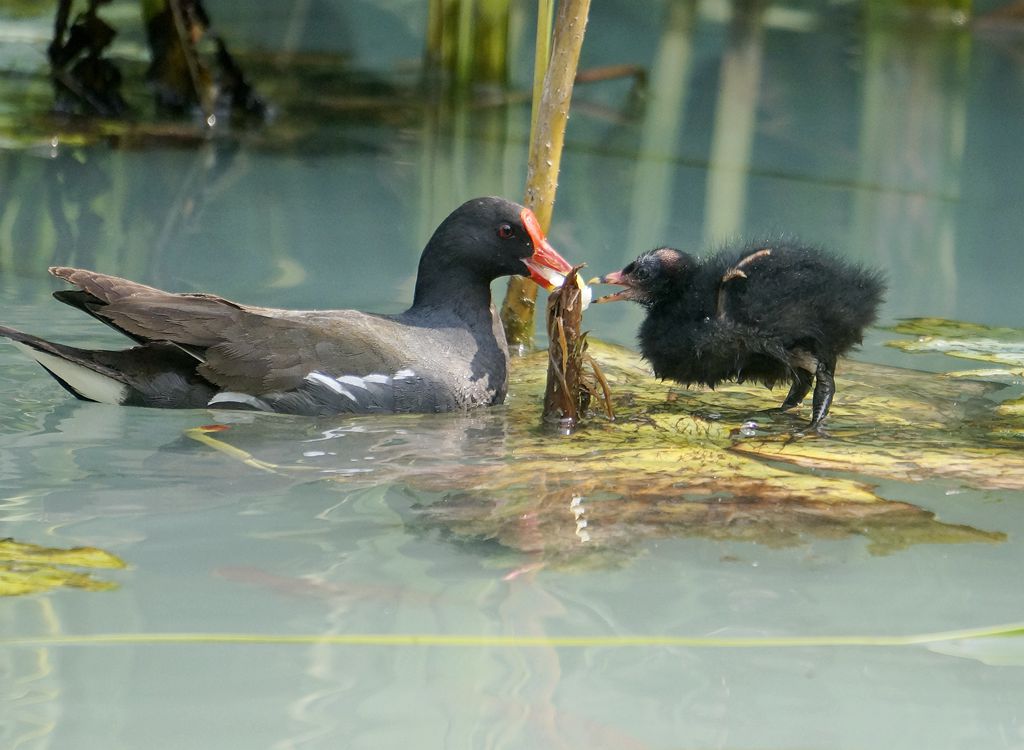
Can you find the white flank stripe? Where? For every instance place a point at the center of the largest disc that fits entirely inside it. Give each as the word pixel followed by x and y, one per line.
pixel 319 377
pixel 239 398
pixel 353 381
pixel 89 383
pixel 377 378
pixel 405 374
pixel 334 385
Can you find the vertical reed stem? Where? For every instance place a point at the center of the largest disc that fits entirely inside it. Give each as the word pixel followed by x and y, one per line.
pixel 547 136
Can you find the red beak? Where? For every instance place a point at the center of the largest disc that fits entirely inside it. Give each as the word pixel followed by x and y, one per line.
pixel 547 267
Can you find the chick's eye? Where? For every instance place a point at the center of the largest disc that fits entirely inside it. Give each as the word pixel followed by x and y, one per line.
pixel 506 232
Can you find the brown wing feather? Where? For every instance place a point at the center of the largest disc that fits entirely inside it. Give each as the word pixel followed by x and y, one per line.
pixel 105 288
pixel 243 345
pixel 250 358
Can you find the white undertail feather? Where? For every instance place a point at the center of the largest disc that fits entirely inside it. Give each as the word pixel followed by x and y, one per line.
pixel 233 397
pixel 88 383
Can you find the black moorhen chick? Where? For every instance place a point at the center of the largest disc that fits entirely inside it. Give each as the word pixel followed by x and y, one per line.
pixel 447 352
pixel 766 311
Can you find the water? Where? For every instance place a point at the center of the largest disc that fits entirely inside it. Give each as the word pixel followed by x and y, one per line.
pixel 895 147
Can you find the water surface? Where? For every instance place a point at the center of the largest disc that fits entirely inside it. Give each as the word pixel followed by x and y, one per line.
pixel 895 147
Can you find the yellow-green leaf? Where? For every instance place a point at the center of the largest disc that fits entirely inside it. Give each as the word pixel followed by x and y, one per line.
pixel 30 568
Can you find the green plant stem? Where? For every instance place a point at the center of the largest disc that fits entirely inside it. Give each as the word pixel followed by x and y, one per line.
pixel 547 136
pixel 541 56
pixel 1009 630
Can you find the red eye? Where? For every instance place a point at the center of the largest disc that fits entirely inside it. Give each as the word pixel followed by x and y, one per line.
pixel 506 232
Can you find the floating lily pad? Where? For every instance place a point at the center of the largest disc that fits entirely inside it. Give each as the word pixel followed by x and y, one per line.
pixel 29 568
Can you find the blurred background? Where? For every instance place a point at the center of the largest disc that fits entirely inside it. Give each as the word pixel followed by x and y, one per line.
pixel 888 131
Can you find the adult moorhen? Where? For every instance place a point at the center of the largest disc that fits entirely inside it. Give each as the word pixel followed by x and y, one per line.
pixel 767 311
pixel 447 352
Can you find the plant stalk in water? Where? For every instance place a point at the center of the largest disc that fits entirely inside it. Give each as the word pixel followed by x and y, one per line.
pixel 568 391
pixel 467 42
pixel 546 139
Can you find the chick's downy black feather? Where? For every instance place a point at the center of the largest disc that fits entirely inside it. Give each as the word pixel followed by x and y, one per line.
pixel 769 312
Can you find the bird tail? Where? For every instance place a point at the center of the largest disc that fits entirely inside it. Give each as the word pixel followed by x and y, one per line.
pixel 75 369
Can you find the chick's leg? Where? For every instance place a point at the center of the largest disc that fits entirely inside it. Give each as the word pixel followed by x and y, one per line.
pixel 803 365
pixel 801 385
pixel 824 390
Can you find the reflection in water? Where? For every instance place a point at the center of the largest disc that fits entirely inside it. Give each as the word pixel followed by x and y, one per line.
pixel 735 123
pixel 911 156
pixel 653 199
pixel 87 207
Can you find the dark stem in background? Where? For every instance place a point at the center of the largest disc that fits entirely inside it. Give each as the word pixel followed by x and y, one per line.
pixel 181 79
pixel 546 139
pixel 85 82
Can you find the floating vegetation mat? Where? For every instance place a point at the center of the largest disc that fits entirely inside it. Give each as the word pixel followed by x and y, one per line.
pixel 674 463
pixel 990 344
pixel 1003 346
